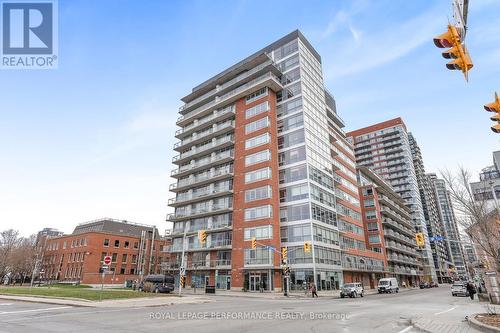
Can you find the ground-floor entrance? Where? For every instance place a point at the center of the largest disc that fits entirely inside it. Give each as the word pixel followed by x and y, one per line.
pixel 259 281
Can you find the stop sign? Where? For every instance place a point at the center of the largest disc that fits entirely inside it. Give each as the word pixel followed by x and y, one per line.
pixel 107 260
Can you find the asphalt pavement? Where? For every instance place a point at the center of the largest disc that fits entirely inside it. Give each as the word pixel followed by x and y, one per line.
pixel 402 312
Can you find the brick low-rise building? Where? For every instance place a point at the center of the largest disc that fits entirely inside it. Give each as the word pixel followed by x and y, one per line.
pixel 78 257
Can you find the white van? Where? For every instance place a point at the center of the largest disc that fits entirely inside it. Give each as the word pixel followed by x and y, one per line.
pixel 388 285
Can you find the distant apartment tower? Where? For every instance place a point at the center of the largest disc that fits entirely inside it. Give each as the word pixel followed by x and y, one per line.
pixel 435 227
pixel 47 233
pixel 385 149
pixel 453 239
pixel 389 227
pixel 262 154
pixel 487 189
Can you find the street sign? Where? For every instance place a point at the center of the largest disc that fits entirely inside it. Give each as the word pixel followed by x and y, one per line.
pixel 107 260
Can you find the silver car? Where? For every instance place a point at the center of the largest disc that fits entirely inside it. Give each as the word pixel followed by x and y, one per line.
pixel 352 290
pixel 459 289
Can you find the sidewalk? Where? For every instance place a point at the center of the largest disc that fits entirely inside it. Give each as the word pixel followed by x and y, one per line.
pixel 119 303
pixel 451 320
pixel 275 294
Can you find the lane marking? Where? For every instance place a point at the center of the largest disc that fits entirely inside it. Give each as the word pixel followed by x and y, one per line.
pixel 35 310
pixel 451 309
pixel 6 304
pixel 406 329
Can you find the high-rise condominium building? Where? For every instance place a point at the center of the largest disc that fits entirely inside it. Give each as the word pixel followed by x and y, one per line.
pixel 435 226
pixel 262 155
pixel 487 189
pixel 389 227
pixel 385 149
pixel 452 234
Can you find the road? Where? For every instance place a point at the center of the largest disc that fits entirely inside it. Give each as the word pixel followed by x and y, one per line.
pixel 373 313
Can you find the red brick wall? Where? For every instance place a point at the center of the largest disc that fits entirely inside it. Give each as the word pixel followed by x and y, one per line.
pixel 239 186
pixel 90 257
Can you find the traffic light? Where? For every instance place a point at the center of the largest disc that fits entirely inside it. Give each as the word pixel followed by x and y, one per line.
pixel 419 237
pixel 202 236
pixel 458 52
pixel 307 247
pixel 283 253
pixel 495 108
pixel 254 243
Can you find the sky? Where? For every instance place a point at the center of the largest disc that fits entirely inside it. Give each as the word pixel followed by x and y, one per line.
pixel 94 137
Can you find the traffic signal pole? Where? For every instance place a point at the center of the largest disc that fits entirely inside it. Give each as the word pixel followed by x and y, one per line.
pixel 182 269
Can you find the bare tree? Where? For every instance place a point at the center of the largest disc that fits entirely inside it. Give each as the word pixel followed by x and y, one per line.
pixel 478 220
pixel 8 242
pixel 23 258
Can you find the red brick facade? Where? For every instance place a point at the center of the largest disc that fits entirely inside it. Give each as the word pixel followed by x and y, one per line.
pixel 78 257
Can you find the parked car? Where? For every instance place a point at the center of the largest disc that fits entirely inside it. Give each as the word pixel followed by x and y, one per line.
pixel 352 290
pixel 388 285
pixel 157 283
pixel 459 288
pixel 434 285
pixel 424 285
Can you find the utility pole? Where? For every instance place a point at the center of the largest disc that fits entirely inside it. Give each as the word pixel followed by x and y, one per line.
pixel 182 269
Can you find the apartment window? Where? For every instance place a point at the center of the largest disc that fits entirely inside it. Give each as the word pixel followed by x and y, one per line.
pixel 113 257
pixel 260 212
pixel 374 238
pixel 122 270
pixel 64 245
pixel 106 242
pixel 134 259
pixel 257 125
pixel 371 214
pixel 291 139
pixel 117 243
pixel 136 245
pixel 294 213
pixel 263 232
pixel 132 271
pixel 124 258
pixel 367 191
pixel 322 214
pixel 256 95
pixel 257 109
pixel 103 254
pixel 261 156
pixel 296 233
pixel 126 245
pixel 258 256
pixel 293 174
pixel 372 226
pixel 369 203
pixel 292 156
pixel 258 193
pixel 257 141
pixel 260 174
pixel 295 192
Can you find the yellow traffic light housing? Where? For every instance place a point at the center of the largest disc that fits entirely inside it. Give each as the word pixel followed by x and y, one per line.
pixel 419 237
pixel 494 107
pixel 283 253
pixel 452 39
pixel 307 247
pixel 202 236
pixel 254 243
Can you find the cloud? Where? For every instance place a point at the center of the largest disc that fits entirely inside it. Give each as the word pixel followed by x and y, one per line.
pixel 380 47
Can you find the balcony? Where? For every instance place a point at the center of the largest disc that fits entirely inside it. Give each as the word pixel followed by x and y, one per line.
pixel 400 248
pixel 203 178
pixel 404 228
pixel 399 237
pixel 267 80
pixel 220 143
pixel 195 138
pixel 347 265
pixel 265 66
pixel 220 158
pixel 217 116
pixel 200 212
pixel 199 196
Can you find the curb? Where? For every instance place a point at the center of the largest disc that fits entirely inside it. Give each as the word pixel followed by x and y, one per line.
pixel 46 300
pixel 473 322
